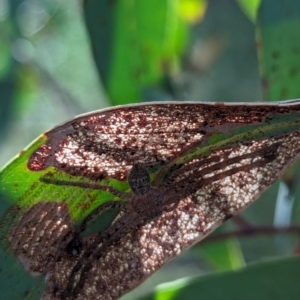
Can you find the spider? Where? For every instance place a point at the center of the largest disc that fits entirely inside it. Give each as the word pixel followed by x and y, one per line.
pixel 144 204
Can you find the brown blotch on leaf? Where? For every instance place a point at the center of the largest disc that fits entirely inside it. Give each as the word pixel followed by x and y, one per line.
pixel 39 234
pixel 107 143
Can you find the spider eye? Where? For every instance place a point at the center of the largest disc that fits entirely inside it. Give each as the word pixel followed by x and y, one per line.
pixel 75 246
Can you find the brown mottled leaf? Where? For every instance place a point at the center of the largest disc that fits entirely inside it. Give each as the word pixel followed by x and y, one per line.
pixel 191 167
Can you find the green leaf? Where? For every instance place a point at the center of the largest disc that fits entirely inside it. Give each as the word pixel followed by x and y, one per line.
pixel 250 7
pixel 223 255
pixel 278 40
pixel 268 280
pixel 135 44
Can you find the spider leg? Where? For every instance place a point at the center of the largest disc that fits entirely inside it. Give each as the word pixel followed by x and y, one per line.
pixel 189 185
pixel 115 232
pixel 87 185
pixel 170 207
pixel 100 242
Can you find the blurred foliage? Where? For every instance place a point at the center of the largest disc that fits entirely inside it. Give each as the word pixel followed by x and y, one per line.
pixel 250 7
pixel 278 45
pixel 279 49
pixel 40 81
pixel 222 255
pixel 264 280
pixel 152 50
pixel 152 33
